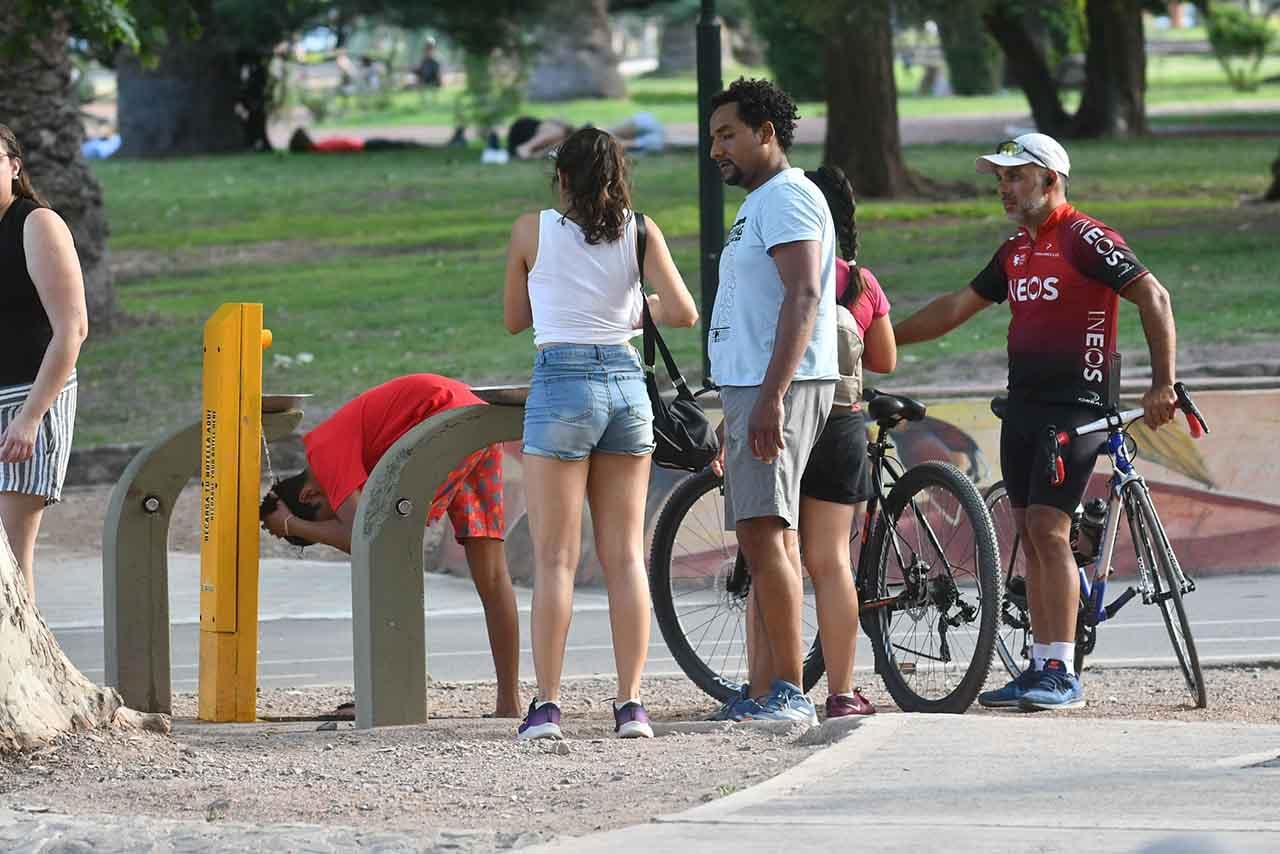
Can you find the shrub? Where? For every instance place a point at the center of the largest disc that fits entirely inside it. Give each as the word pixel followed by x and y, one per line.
pixel 1240 41
pixel 793 49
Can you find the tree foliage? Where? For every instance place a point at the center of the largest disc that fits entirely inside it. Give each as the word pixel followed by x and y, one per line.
pixel 1240 41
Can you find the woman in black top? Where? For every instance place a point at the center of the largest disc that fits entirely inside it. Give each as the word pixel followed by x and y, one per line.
pixel 42 324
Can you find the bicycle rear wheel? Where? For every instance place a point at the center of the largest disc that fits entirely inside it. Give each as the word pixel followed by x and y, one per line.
pixel 700 586
pixel 937 562
pixel 1155 553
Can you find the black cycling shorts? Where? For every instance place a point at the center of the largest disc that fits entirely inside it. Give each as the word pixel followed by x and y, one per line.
pixel 838 469
pixel 1024 460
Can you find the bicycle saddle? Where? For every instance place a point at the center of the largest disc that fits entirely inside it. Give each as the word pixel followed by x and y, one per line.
pixel 893 409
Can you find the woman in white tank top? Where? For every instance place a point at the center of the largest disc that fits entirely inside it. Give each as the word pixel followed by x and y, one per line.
pixel 588 431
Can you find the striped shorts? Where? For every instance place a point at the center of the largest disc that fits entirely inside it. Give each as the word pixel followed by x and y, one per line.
pixel 45 471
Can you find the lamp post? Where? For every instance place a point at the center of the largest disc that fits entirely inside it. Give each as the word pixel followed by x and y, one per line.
pixel 710 187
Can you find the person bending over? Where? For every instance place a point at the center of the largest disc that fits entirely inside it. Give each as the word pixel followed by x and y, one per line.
pixel 318 504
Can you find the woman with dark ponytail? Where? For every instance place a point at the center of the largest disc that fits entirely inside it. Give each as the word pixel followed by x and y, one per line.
pixel 44 323
pixel 837 481
pixel 573 275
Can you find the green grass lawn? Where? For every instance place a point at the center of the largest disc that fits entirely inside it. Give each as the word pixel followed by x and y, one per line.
pixel 1171 79
pixel 384 264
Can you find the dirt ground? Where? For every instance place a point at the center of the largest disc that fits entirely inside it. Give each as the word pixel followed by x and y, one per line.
pixel 460 771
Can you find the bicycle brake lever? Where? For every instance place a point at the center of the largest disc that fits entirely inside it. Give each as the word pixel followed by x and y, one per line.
pixel 1056 468
pixel 1196 424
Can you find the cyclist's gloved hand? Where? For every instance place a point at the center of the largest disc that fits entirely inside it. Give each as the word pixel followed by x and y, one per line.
pixel 1158 405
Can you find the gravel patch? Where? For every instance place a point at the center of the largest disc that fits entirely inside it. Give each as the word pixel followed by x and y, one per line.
pixel 464 772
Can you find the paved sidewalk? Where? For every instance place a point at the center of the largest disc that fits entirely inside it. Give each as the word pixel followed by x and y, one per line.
pixel 895 783
pixel 1015 783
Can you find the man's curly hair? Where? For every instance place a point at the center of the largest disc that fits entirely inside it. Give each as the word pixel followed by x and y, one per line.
pixel 760 101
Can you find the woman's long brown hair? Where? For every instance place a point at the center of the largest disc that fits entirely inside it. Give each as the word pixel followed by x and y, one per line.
pixel 597 191
pixel 22 188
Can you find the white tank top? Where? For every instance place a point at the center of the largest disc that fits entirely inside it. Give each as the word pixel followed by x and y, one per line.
pixel 582 293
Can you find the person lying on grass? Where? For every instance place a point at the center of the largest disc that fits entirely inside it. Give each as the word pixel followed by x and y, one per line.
pixel 318 504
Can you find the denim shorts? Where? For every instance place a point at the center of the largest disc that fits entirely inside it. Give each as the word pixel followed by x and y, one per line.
pixel 586 398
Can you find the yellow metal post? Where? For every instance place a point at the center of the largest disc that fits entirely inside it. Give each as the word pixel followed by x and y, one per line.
pixel 231 439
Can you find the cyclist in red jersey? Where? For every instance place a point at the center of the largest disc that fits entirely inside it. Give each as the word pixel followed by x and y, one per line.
pixel 1062 273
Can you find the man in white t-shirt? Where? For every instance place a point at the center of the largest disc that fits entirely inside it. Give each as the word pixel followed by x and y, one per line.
pixel 772 344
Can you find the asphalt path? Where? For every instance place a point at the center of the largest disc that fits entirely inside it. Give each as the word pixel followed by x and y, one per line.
pixel 305 624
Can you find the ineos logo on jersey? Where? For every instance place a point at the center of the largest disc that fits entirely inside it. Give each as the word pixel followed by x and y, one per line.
pixel 1019 260
pixel 1029 289
pixel 1105 246
pixel 1094 342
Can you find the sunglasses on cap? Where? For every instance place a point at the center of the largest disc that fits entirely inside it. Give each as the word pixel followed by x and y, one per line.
pixel 1013 148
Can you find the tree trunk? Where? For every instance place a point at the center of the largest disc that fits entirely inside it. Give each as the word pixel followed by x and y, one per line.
pixel 575 58
pixel 42 694
pixel 1028 67
pixel 1273 192
pixel 257 90
pixel 973 57
pixel 187 103
pixel 862 101
pixel 1114 98
pixel 41 108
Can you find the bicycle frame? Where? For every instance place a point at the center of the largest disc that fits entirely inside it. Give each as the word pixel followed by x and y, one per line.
pixel 1093 589
pixel 878 452
pixel 1123 478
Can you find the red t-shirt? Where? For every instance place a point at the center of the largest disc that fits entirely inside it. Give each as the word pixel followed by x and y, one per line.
pixel 343 449
pixel 338 144
pixel 1062 286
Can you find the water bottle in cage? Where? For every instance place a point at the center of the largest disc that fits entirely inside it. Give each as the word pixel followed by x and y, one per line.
pixel 1089 535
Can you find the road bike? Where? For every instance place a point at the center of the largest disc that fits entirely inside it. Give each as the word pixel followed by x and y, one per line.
pixel 927 575
pixel 1095 527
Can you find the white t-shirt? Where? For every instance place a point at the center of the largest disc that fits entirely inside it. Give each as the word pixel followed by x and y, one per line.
pixel 785 209
pixel 580 292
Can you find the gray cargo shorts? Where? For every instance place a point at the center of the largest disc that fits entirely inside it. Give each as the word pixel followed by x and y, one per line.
pixel 753 489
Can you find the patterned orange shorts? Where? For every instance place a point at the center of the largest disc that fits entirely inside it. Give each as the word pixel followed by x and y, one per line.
pixel 472 496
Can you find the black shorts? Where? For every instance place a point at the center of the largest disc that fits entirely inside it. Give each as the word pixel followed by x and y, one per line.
pixel 838 469
pixel 1024 461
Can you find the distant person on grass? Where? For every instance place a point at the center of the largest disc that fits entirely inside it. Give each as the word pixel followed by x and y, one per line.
pixel 772 343
pixel 1062 273
pixel 318 505
pixel 302 142
pixel 44 322
pixel 573 275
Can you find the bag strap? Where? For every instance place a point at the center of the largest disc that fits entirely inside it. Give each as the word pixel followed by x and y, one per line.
pixel 651 336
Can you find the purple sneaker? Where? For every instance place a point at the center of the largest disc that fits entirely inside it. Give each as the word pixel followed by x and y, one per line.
pixel 541 722
pixel 631 721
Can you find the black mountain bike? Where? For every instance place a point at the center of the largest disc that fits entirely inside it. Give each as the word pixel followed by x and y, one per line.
pixel 927 575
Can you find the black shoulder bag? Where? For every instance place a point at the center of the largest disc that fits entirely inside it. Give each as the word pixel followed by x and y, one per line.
pixel 684 437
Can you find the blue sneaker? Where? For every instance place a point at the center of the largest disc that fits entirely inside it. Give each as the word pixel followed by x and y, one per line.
pixel 786 702
pixel 739 707
pixel 1010 695
pixel 1057 688
pixel 541 722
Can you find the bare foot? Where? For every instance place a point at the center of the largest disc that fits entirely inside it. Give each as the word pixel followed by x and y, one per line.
pixel 507 710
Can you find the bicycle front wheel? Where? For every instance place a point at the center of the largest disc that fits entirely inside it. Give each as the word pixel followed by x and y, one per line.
pixel 1013 637
pixel 1155 553
pixel 931 599
pixel 700 588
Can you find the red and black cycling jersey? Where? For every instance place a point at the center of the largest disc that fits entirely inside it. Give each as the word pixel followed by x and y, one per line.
pixel 1062 286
